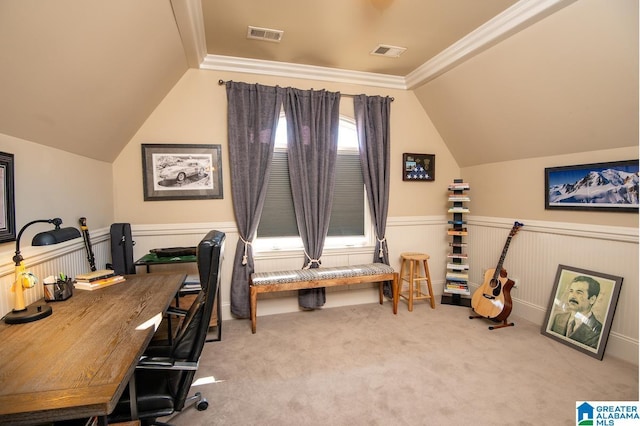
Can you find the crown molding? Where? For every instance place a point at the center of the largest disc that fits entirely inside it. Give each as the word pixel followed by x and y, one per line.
pixel 190 23
pixel 514 19
pixel 519 16
pixel 310 72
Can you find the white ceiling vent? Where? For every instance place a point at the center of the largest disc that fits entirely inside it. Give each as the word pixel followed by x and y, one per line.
pixel 266 34
pixel 390 51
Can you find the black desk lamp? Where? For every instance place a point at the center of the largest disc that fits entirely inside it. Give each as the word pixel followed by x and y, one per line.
pixel 23 279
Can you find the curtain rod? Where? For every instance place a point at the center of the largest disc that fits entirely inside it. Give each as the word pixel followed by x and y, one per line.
pixel 221 82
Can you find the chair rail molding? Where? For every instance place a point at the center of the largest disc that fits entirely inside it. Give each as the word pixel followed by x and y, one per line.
pixel 613 233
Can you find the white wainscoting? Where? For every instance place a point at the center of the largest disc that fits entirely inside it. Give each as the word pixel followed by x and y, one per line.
pixel 69 258
pixel 533 258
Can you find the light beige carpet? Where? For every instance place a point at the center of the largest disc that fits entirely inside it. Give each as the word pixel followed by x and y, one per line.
pixel 361 365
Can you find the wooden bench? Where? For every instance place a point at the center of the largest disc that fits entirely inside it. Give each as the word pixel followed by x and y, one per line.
pixel 268 282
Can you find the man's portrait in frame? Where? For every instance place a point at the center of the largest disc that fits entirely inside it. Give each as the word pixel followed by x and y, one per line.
pixel 581 309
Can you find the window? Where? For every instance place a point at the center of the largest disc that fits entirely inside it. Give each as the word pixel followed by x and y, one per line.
pixel 349 224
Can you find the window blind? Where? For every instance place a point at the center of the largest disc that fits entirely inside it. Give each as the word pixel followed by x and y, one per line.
pixel 347 213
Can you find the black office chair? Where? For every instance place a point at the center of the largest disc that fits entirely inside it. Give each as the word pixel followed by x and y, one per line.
pixel 203 256
pixel 164 375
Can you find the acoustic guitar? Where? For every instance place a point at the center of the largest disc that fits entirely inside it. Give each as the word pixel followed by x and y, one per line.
pixel 492 299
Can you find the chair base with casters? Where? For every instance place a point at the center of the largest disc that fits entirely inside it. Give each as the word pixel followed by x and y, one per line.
pixel 154 402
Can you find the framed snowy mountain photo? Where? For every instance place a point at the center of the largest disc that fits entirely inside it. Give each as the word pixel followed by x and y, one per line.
pixel 609 186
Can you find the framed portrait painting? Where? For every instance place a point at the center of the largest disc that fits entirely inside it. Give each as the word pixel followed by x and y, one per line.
pixel 7 198
pixel 181 171
pixel 611 186
pixel 581 309
pixel 418 167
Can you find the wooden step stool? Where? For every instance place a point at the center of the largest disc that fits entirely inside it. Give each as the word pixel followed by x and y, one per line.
pixel 411 273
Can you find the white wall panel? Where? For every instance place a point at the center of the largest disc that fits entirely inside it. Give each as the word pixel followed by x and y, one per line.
pixel 533 257
pixel 69 258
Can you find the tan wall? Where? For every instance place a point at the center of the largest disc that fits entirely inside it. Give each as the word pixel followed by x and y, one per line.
pixel 566 84
pixel 515 189
pixel 195 112
pixel 53 183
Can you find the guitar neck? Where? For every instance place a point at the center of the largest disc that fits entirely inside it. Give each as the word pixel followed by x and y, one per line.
pixel 496 273
pixel 516 227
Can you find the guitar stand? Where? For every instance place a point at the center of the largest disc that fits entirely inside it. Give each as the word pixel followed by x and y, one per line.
pixel 493 327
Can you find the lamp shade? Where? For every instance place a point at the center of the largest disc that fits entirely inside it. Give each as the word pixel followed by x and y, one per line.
pixel 55 236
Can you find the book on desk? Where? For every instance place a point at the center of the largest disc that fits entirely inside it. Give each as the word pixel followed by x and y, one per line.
pixel 95 275
pixel 100 283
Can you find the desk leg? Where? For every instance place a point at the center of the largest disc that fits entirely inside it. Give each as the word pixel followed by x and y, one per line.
pixel 133 399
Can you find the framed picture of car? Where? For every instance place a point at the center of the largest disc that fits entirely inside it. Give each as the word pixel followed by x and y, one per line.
pixel 181 172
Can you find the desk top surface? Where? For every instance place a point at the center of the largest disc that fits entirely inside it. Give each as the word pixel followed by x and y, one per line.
pixel 77 362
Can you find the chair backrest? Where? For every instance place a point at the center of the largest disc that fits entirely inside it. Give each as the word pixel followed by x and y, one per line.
pixel 189 342
pixel 208 253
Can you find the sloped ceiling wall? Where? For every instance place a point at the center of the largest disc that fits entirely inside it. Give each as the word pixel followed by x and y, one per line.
pixel 566 84
pixel 82 76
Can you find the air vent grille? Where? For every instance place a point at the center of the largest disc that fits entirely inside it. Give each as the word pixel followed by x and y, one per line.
pixel 390 51
pixel 266 34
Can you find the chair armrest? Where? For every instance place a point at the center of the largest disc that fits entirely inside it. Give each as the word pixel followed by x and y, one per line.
pixel 190 289
pixel 176 311
pixel 165 363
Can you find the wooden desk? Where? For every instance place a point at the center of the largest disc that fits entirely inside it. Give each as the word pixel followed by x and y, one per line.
pixel 77 362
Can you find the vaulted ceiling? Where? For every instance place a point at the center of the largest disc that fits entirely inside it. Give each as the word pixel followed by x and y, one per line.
pixel 501 79
pixel 342 34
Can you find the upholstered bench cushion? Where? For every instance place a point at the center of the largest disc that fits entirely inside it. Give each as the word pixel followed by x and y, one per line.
pixel 298 279
pixel 317 274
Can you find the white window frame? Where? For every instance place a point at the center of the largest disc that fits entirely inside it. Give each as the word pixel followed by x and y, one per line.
pixel 267 245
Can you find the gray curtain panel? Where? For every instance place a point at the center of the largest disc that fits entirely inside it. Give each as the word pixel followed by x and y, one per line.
pixel 253 113
pixel 372 123
pixel 312 127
